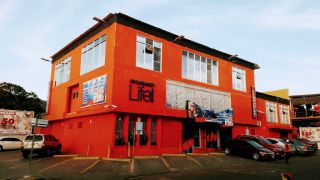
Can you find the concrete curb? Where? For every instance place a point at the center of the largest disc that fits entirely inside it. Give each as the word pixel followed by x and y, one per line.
pixel 174 155
pixel 85 158
pixel 146 157
pixel 217 153
pixel 117 159
pixel 65 155
pixel 198 154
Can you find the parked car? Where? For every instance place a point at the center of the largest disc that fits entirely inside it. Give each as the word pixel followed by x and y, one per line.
pixel 9 143
pixel 282 143
pixel 306 141
pixel 247 148
pixel 43 144
pixel 301 148
pixel 278 150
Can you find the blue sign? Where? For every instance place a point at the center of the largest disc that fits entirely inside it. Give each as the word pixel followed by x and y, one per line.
pixel 94 91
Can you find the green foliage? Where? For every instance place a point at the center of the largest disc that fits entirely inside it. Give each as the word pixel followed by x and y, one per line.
pixel 15 97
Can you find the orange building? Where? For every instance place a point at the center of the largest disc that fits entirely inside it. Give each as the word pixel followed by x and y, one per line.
pixel 124 83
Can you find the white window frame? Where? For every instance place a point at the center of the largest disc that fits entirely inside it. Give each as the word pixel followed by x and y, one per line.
pixel 271 112
pixel 284 114
pixel 62 71
pixel 239 79
pixel 193 62
pixel 143 40
pixel 96 58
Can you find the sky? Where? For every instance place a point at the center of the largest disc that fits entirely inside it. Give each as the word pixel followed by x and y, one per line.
pixel 282 36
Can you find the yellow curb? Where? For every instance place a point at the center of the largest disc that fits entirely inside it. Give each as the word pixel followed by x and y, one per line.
pixel 146 157
pixel 85 158
pixel 217 153
pixel 175 155
pixel 198 154
pixel 66 155
pixel 117 159
pixel 90 167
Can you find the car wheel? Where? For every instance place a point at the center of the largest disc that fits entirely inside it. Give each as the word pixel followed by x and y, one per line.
pixel 1 148
pixel 255 156
pixel 227 151
pixel 25 155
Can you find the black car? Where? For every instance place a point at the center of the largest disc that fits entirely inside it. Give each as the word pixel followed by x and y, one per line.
pixel 248 148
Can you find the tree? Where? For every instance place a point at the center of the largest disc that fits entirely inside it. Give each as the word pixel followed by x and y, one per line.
pixel 15 97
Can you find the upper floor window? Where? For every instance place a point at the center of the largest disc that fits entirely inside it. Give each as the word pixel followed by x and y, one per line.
pixel 284 114
pixel 62 71
pixel 238 79
pixel 271 112
pixel 93 55
pixel 148 54
pixel 197 68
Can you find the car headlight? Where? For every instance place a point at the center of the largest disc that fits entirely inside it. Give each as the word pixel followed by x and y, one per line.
pixel 262 153
pixel 300 148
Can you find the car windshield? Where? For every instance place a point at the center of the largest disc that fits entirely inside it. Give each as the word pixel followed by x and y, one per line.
pixel 298 143
pixel 36 138
pixel 265 141
pixel 305 140
pixel 254 144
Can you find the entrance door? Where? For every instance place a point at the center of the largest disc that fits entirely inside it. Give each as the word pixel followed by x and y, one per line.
pixel 225 136
pixel 197 137
pixel 283 134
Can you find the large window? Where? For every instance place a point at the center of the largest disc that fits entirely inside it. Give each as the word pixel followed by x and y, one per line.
pixel 284 114
pixel 271 112
pixel 119 140
pixel 62 71
pixel 197 68
pixel 93 55
pixel 238 79
pixel 148 54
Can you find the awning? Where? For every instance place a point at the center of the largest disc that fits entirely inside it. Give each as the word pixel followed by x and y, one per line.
pixel 289 128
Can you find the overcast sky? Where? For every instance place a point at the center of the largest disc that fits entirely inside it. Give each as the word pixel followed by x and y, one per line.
pixel 282 36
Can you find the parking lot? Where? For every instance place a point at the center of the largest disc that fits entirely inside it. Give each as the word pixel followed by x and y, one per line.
pixel 194 166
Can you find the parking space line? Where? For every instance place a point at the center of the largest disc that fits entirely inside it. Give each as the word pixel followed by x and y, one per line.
pixel 132 165
pixel 219 159
pixel 10 160
pixel 57 164
pixel 165 163
pixel 12 167
pixel 192 159
pixel 89 167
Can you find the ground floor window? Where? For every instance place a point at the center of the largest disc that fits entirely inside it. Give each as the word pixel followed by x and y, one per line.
pixel 197 137
pixel 131 133
pixel 119 140
pixel 153 132
pixel 144 135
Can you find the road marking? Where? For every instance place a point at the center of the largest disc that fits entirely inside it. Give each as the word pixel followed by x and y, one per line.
pixel 165 163
pixel 10 160
pixel 197 162
pixel 132 165
pixel 57 164
pixel 12 167
pixel 89 167
pixel 219 159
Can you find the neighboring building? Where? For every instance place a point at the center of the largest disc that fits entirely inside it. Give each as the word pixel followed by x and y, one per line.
pixel 124 77
pixel 305 110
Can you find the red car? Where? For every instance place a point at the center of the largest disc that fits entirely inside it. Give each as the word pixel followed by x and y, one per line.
pixel 310 143
pixel 278 150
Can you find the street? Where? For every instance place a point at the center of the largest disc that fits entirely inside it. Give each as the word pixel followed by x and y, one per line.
pixel 194 166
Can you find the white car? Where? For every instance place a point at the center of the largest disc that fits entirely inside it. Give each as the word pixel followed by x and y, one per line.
pixel 10 143
pixel 282 143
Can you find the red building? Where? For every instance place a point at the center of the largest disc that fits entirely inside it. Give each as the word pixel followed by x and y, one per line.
pixel 124 86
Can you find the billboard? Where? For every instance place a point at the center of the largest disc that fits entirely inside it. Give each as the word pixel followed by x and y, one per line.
pixel 310 133
pixel 94 91
pixel 15 121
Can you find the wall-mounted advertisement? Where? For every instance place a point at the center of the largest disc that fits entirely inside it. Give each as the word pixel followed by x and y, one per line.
pixel 94 91
pixel 310 133
pixel 15 122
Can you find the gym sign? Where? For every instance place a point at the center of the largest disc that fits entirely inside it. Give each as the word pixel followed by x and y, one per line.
pixel 141 91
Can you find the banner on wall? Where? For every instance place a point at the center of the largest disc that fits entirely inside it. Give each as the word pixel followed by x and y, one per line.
pixel 15 121
pixel 310 133
pixel 94 91
pixel 223 118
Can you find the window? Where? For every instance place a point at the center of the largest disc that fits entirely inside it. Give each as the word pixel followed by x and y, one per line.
pixel 238 79
pixel 284 114
pixel 153 132
pixel 197 68
pixel 93 55
pixel 131 133
pixel 271 112
pixel 62 71
pixel 119 140
pixel 144 136
pixel 148 54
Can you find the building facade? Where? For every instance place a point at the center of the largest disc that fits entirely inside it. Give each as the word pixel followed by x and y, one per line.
pixel 126 88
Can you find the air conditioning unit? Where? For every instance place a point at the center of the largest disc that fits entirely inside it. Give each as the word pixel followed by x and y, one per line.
pixel 258 123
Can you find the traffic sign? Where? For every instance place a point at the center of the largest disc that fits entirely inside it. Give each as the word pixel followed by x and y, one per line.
pixel 39 122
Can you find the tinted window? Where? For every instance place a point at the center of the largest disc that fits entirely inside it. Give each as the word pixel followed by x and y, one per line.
pixel 254 144
pixel 265 141
pixel 272 141
pixel 36 138
pixel 5 139
pixel 298 143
